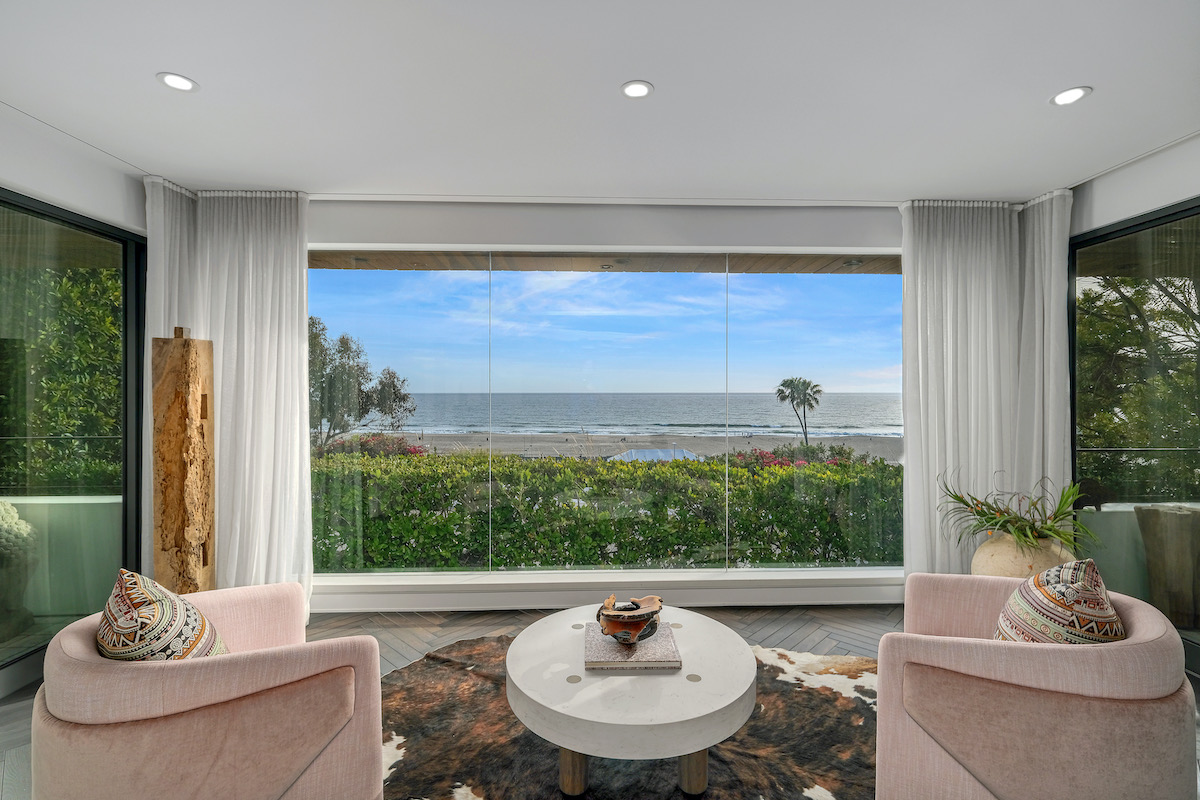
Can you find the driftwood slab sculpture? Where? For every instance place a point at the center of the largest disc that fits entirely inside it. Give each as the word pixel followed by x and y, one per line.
pixel 184 472
pixel 630 622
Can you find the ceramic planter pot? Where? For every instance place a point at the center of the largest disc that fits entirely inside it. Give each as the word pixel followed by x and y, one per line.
pixel 1000 555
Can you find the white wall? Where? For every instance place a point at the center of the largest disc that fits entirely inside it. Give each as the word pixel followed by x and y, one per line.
pixel 1167 177
pixel 48 165
pixel 355 224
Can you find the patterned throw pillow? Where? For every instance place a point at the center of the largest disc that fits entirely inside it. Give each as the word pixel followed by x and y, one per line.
pixel 1066 604
pixel 143 621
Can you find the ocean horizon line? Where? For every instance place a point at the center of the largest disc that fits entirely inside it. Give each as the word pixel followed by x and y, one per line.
pixel 739 414
pixel 673 394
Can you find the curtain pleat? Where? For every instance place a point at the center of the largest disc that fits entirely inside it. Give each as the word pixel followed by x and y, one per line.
pixel 232 266
pixel 985 368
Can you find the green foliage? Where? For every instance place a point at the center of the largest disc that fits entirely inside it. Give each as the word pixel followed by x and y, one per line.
pixel 75 360
pixel 1026 517
pixel 61 380
pixel 342 390
pixel 1137 404
pixel 432 512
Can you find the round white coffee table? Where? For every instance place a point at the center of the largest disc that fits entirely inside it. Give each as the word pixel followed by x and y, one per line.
pixel 631 714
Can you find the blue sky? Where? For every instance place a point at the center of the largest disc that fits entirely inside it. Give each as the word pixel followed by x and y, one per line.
pixel 617 331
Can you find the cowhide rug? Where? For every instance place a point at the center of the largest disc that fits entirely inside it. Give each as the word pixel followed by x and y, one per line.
pixel 448 734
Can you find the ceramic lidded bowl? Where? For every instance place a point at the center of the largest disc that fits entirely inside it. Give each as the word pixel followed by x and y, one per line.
pixel 629 622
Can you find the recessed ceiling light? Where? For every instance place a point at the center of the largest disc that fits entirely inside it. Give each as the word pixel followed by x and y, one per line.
pixel 852 262
pixel 178 82
pixel 606 266
pixel 1071 95
pixel 637 88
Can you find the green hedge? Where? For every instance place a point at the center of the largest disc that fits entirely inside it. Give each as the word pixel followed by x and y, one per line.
pixel 432 512
pixel 64 467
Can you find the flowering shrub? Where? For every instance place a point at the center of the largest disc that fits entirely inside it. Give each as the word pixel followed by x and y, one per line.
pixel 764 458
pixel 373 445
pixel 401 512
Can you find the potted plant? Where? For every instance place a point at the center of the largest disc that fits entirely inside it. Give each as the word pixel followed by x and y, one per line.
pixel 17 560
pixel 1027 532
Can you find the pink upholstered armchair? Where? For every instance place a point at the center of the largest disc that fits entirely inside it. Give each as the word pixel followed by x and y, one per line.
pixel 274 718
pixel 965 717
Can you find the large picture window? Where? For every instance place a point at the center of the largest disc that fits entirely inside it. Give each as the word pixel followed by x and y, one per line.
pixel 511 411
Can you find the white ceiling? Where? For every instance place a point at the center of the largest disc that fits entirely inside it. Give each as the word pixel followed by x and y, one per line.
pixel 756 101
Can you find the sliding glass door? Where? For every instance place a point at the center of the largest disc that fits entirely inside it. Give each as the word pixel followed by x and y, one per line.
pixel 64 419
pixel 1137 409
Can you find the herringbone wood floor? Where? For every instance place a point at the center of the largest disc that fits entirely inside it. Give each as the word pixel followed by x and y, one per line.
pixel 405 637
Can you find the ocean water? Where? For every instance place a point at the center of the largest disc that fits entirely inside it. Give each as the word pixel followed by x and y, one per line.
pixel 839 414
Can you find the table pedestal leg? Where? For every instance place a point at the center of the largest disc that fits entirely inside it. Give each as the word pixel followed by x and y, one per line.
pixel 693 772
pixel 572 771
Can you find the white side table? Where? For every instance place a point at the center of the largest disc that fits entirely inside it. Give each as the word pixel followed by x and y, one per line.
pixel 631 714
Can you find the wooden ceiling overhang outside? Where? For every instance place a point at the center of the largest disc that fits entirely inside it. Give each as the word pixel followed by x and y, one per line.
pixel 846 264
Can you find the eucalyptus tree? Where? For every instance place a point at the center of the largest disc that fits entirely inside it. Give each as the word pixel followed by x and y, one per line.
pixel 343 391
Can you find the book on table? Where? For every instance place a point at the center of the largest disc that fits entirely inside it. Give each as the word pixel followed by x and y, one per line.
pixel 605 652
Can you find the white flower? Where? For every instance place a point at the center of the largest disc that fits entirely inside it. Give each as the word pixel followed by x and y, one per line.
pixel 16 535
pixel 610 549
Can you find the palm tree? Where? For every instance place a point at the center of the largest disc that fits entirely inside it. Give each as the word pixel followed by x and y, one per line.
pixel 803 395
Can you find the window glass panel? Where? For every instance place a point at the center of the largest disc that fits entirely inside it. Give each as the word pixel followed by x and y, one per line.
pixel 61 417
pixel 831 345
pixel 402 485
pixel 615 380
pixel 1137 343
pixel 1137 408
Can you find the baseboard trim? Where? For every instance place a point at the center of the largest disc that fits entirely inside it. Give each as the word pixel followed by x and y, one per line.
pixel 488 591
pixel 1191 656
pixel 22 672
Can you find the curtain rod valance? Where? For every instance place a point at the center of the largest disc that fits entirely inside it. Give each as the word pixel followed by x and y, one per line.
pixel 907 204
pixel 195 194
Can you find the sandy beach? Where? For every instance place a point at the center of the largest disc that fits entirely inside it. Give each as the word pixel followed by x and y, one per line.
pixel 889 448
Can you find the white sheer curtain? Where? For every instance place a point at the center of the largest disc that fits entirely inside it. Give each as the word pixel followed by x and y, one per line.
pixel 232 266
pixel 986 395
